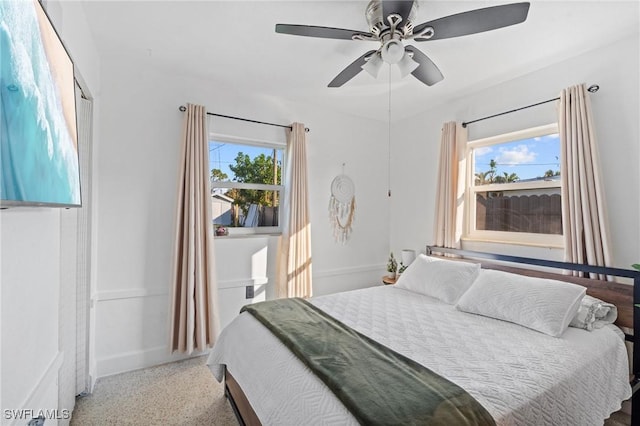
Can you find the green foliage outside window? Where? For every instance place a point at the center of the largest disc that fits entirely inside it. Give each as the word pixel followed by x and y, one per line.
pixel 262 169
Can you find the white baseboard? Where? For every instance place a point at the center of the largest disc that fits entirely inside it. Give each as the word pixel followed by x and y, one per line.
pixel 136 360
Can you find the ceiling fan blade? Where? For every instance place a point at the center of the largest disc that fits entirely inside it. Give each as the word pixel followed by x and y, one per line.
pixel 322 32
pixel 475 21
pixel 350 71
pixel 400 7
pixel 427 72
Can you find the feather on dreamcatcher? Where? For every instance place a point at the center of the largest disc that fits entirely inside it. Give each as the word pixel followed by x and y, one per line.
pixel 342 207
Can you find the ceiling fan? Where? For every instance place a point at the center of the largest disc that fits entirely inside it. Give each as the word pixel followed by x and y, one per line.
pixel 391 22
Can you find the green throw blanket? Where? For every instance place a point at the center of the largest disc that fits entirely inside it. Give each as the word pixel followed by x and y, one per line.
pixel 377 385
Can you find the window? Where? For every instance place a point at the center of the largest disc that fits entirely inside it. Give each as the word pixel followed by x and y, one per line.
pixel 246 184
pixel 514 188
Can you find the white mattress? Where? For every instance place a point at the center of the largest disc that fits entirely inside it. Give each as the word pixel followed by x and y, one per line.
pixel 522 377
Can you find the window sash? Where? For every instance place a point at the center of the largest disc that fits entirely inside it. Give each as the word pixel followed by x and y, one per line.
pixel 244 185
pixel 522 238
pixel 515 186
pixel 240 141
pixel 532 132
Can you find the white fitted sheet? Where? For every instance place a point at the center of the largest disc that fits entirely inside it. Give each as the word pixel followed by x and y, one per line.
pixel 521 376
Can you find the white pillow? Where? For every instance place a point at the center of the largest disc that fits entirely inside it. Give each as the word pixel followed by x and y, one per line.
pixel 547 306
pixel 445 280
pixel 594 313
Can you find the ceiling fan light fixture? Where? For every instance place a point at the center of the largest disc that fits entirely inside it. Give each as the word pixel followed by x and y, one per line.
pixel 373 65
pixel 407 65
pixel 392 22
pixel 392 51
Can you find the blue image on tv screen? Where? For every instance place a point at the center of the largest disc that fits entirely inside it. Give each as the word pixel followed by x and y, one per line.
pixel 38 133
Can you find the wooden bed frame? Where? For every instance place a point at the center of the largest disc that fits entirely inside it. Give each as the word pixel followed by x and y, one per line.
pixel 626 298
pixel 239 402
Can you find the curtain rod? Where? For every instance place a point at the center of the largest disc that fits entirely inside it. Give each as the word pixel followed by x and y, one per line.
pixel 593 88
pixel 183 109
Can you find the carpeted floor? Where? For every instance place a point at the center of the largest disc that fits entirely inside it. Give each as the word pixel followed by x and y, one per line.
pixel 180 393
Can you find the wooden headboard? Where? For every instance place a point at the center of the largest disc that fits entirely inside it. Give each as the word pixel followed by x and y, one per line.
pixel 626 297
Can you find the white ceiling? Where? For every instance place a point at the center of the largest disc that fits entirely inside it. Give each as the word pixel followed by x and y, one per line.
pixel 234 42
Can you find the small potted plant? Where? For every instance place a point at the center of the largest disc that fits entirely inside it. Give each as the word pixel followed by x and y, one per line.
pixel 221 231
pixel 392 265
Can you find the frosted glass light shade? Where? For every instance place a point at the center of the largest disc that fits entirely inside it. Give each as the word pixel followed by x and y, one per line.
pixel 407 65
pixel 392 51
pixel 373 65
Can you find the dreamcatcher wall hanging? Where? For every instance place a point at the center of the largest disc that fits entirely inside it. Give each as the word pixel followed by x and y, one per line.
pixel 342 207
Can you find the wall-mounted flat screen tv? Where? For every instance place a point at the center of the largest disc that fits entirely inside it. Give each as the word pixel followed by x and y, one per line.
pixel 38 131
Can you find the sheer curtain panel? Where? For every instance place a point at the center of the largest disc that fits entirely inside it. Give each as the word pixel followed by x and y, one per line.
pixel 294 254
pixel 450 186
pixel 584 222
pixel 194 313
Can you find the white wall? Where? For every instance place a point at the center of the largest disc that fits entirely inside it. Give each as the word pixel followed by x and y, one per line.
pixel 138 165
pixel 30 277
pixel 32 264
pixel 615 108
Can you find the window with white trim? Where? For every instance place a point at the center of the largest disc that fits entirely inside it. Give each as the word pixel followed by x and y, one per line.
pixel 514 189
pixel 246 185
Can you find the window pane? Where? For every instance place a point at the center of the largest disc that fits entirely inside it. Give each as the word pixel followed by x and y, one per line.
pixel 522 160
pixel 248 208
pixel 240 165
pixel 231 162
pixel 536 211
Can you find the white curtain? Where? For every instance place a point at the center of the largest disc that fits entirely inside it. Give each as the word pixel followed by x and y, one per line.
pixel 584 218
pixel 294 255
pixel 194 313
pixel 450 186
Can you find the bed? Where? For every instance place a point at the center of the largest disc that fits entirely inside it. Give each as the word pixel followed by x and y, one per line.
pixel 518 374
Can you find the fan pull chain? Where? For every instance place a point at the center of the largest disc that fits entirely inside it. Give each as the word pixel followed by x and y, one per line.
pixel 389 140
